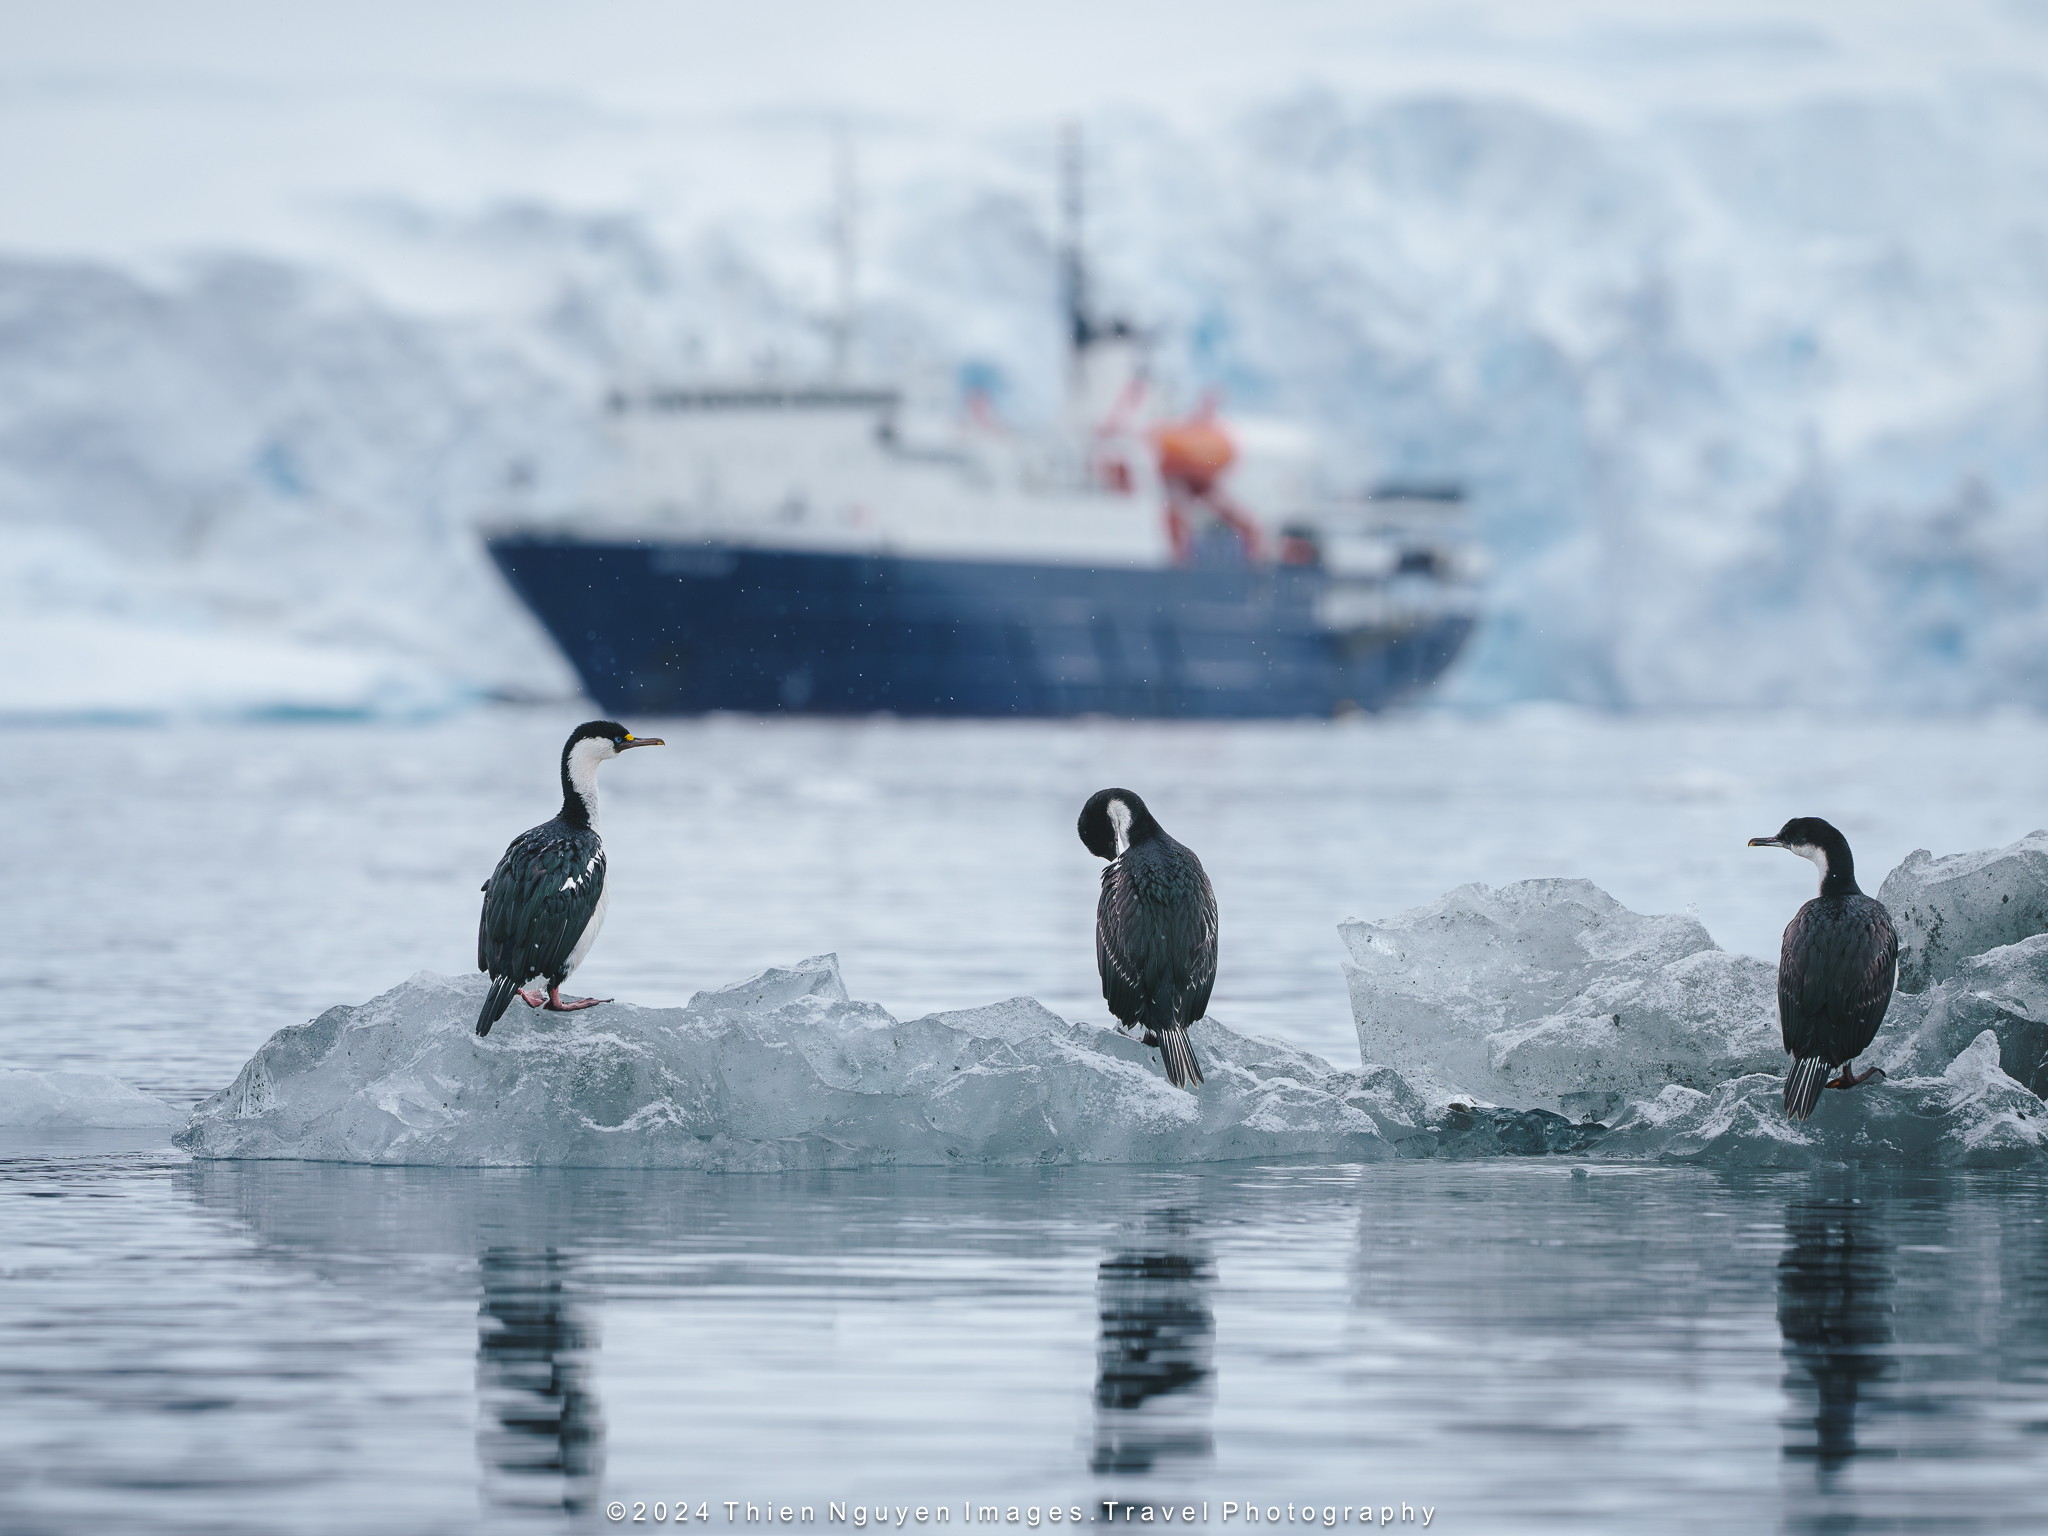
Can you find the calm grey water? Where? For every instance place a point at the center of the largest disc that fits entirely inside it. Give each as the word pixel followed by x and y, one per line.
pixel 315 1348
pixel 304 1348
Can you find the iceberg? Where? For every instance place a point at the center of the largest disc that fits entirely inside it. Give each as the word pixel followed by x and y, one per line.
pixel 1949 909
pixel 1970 1115
pixel 781 1071
pixel 2002 993
pixel 1550 994
pixel 78 1101
pixel 1541 1018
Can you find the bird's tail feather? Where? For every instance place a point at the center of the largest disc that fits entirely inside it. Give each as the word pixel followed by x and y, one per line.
pixel 1803 1085
pixel 500 998
pixel 1179 1056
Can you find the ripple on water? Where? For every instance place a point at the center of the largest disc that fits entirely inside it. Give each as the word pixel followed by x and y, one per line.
pixel 306 1347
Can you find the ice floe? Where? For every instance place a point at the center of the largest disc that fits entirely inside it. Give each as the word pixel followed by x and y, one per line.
pixel 1951 908
pixel 1551 994
pixel 1970 1115
pixel 780 1071
pixel 2003 993
pixel 1533 1019
pixel 79 1100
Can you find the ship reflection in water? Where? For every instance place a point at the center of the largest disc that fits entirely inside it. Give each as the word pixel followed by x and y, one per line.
pixel 1835 1310
pixel 1155 1363
pixel 540 1437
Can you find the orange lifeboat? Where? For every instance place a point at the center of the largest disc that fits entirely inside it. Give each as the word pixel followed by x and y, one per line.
pixel 1194 451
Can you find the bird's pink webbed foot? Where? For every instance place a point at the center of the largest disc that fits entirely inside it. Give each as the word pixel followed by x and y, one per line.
pixel 1850 1079
pixel 559 1004
pixel 532 999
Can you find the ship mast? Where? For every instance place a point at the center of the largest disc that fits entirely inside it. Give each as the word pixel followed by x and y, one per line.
pixel 1073 265
pixel 1106 382
pixel 845 253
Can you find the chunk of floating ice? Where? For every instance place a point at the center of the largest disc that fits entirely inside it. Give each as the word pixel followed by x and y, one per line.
pixel 81 1100
pixel 1552 994
pixel 1963 904
pixel 779 1071
pixel 1970 1115
pixel 2004 992
pixel 1549 996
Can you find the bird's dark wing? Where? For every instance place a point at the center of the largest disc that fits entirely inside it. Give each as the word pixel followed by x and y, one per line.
pixel 1201 949
pixel 539 901
pixel 1835 977
pixel 1116 919
pixel 1155 936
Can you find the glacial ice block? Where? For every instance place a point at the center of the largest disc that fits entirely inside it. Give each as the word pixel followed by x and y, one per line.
pixel 79 1100
pixel 780 1071
pixel 2003 992
pixel 1550 994
pixel 1971 1114
pixel 1963 904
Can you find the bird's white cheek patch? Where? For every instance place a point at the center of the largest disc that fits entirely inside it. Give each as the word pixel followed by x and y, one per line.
pixel 1120 822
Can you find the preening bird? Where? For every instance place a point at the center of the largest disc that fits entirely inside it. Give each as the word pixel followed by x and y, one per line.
pixel 1835 972
pixel 546 900
pixel 1155 928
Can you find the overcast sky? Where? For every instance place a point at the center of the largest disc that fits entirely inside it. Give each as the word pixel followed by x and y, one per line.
pixel 964 61
pixel 133 127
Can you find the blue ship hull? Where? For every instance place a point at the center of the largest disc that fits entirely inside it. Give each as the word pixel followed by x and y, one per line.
pixel 683 628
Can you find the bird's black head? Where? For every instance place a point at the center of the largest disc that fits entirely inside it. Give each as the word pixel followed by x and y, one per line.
pixel 610 733
pixel 1812 838
pixel 1112 820
pixel 591 743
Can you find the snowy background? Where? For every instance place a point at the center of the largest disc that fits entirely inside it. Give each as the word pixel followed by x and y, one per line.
pixel 1734 317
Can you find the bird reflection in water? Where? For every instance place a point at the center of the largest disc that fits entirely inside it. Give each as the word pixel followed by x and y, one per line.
pixel 1155 1363
pixel 540 1439
pixel 1835 1312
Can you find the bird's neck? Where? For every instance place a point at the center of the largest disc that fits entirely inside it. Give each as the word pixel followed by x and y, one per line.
pixel 1837 872
pixel 1120 826
pixel 579 789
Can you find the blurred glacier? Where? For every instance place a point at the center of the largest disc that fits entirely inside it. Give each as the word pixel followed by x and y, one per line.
pixel 243 491
pixel 1751 400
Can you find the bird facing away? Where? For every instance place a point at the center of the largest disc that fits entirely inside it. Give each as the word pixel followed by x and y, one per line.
pixel 1835 972
pixel 1155 928
pixel 546 900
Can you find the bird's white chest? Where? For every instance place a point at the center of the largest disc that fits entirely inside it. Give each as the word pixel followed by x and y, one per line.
pixel 590 931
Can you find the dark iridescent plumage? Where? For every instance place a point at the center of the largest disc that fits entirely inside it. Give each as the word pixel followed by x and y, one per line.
pixel 1835 970
pixel 546 899
pixel 537 903
pixel 1155 928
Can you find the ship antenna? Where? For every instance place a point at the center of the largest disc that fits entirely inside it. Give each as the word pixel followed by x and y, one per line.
pixel 1073 265
pixel 845 250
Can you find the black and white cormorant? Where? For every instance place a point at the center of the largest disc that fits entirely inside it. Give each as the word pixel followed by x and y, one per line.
pixel 1835 972
pixel 1155 928
pixel 545 902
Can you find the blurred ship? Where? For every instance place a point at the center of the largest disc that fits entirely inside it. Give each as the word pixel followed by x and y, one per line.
pixel 803 547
